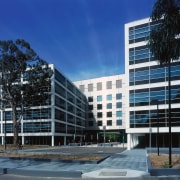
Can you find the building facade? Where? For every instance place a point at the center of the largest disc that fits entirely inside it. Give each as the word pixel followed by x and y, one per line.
pixel 105 114
pixel 60 121
pixel 107 108
pixel 147 95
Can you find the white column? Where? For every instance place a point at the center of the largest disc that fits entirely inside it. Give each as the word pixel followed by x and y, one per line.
pixel 22 140
pixel 2 140
pixel 128 141
pixel 64 140
pixel 52 140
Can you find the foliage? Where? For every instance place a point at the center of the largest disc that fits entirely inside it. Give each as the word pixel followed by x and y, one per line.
pixel 24 79
pixel 164 42
pixel 112 137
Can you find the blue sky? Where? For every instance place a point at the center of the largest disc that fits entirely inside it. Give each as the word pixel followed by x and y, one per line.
pixel 83 38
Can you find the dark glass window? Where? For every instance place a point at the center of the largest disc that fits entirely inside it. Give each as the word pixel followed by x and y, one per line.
pixel 60 102
pixel 37 127
pixel 119 105
pixel 90 123
pixel 119 122
pixel 99 106
pixel 90 99
pixel 99 123
pixel 99 114
pixel 90 107
pixel 118 96
pixel 109 114
pixel 59 77
pixel 109 106
pixel 109 122
pixel 60 90
pixel 90 115
pixel 60 127
pixel 60 115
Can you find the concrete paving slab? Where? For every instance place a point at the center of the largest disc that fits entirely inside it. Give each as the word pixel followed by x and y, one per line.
pixel 114 173
pixel 133 160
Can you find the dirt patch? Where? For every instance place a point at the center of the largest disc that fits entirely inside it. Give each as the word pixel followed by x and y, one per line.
pixel 162 161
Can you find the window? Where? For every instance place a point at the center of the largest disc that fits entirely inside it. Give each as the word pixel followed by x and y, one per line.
pixel 109 114
pixel 118 96
pixel 109 97
pixel 109 106
pixel 118 83
pixel 90 123
pixel 90 87
pixel 60 102
pixel 60 90
pixel 99 106
pixel 59 77
pixel 99 86
pixel 118 113
pixel 90 107
pixel 119 105
pixel 81 87
pixel 109 122
pixel 109 85
pixel 90 99
pixel 119 122
pixel 90 115
pixel 99 123
pixel 99 98
pixel 99 114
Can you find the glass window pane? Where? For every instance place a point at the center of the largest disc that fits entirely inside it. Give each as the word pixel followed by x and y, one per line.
pixel 99 106
pixel 99 98
pixel 109 97
pixel 118 113
pixel 109 122
pixel 109 106
pixel 119 96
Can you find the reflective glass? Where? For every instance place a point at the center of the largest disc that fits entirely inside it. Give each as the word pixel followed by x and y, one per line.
pixel 119 105
pixel 118 96
pixel 99 98
pixel 118 113
pixel 119 122
pixel 109 106
pixel 109 97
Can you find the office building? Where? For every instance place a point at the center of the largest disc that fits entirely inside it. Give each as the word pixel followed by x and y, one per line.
pixel 147 95
pixel 105 115
pixel 58 122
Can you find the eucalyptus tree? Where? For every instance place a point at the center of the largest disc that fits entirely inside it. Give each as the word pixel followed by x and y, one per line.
pixel 164 41
pixel 24 80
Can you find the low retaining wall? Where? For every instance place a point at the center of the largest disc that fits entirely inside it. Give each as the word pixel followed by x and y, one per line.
pixel 162 171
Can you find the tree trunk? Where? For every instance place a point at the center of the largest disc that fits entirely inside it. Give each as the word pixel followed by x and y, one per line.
pixel 15 127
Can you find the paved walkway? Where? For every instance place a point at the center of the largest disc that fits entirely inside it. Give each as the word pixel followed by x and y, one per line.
pixel 134 160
